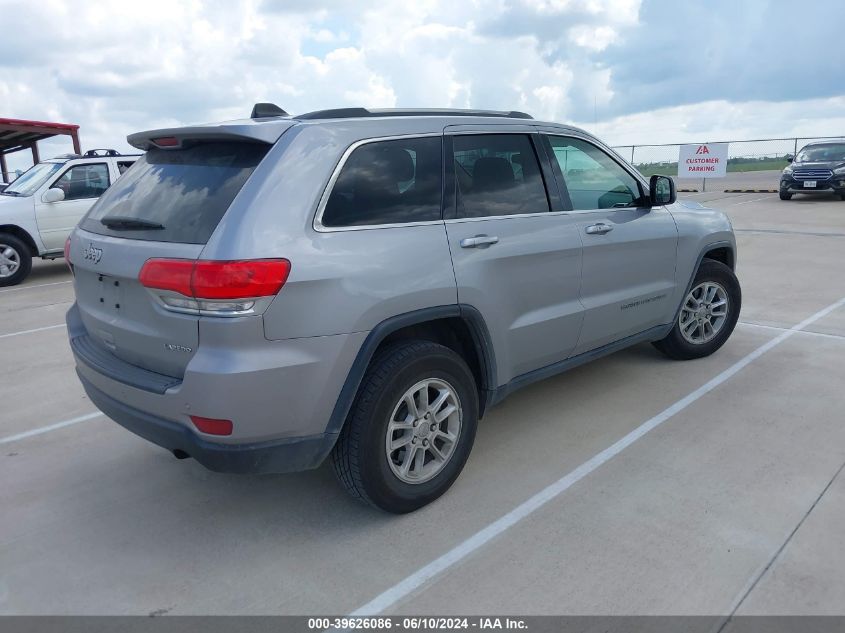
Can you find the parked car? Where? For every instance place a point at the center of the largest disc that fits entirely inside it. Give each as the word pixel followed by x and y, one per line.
pixel 817 168
pixel 41 207
pixel 365 284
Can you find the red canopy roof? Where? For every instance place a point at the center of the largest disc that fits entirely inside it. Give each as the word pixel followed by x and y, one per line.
pixel 17 134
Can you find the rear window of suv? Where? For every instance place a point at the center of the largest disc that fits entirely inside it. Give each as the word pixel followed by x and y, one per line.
pixel 498 174
pixel 181 194
pixel 388 182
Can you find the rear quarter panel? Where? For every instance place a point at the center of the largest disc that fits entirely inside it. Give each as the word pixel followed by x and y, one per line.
pixel 340 281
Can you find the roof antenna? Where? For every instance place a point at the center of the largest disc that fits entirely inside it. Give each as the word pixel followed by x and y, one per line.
pixel 263 110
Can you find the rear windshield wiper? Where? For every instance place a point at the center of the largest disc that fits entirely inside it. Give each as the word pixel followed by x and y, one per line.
pixel 122 222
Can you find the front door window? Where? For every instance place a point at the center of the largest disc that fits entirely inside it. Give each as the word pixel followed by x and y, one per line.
pixel 84 181
pixel 593 179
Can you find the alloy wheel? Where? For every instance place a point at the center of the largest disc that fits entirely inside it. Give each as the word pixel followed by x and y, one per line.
pixel 704 313
pixel 10 261
pixel 423 431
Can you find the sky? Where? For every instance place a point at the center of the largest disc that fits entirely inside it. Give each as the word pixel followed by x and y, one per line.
pixel 630 71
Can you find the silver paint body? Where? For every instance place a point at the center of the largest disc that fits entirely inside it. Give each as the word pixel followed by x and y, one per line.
pixel 547 289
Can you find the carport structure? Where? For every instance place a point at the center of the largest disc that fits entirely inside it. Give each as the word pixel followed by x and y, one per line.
pixel 17 135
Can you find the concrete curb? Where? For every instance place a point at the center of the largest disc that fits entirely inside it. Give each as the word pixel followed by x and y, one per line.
pixel 751 190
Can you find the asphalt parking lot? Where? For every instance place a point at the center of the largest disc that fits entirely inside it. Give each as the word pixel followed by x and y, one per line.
pixel 764 179
pixel 704 487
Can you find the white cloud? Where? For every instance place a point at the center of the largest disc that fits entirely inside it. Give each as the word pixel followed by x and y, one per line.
pixel 715 121
pixel 594 38
pixel 116 67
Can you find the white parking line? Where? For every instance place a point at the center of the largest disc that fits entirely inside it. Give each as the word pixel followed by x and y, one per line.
pixel 417 579
pixel 51 427
pixel 835 337
pixel 52 283
pixel 736 204
pixel 38 329
pixel 786 232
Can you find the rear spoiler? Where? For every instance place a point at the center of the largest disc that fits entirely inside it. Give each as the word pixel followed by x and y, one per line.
pixel 256 131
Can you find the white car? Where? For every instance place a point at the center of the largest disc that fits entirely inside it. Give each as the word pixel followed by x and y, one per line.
pixel 40 208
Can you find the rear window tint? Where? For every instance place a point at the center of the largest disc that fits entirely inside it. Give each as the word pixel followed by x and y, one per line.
pixel 187 191
pixel 123 165
pixel 388 182
pixel 498 174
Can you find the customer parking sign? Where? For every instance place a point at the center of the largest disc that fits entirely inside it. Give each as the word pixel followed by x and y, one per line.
pixel 703 160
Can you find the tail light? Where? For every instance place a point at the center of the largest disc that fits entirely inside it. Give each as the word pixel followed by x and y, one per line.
pixel 212 426
pixel 215 287
pixel 167 141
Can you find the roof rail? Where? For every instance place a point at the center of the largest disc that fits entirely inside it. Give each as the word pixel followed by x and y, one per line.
pixel 106 152
pixel 266 110
pixel 354 113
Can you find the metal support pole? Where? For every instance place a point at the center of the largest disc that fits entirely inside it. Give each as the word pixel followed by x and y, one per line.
pixel 703 185
pixel 4 170
pixel 795 150
pixel 35 157
pixel 632 154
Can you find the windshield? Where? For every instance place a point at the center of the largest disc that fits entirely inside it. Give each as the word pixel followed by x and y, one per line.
pixel 822 153
pixel 175 195
pixel 29 182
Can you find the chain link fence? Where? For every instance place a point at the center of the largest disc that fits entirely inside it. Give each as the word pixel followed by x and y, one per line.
pixel 743 156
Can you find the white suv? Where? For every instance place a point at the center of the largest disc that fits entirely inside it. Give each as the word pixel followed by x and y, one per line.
pixel 39 209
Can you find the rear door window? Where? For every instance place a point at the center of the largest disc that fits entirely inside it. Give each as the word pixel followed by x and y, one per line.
pixel 184 191
pixel 387 182
pixel 498 174
pixel 123 165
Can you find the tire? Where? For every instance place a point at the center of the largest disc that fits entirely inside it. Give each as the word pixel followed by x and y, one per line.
pixel 360 458
pixel 15 260
pixel 711 274
pixel 785 195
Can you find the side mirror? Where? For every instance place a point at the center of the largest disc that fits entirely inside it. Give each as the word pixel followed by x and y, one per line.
pixel 53 195
pixel 789 158
pixel 661 190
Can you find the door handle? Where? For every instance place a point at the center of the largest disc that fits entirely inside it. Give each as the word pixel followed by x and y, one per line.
pixel 599 229
pixel 479 241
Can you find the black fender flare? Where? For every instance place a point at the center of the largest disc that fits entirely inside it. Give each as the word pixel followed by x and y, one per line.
pixel 481 341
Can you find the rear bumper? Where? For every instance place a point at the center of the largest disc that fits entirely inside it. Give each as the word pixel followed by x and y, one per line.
pixel 287 455
pixel 279 396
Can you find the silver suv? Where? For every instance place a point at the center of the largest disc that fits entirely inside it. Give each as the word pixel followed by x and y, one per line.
pixel 365 284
